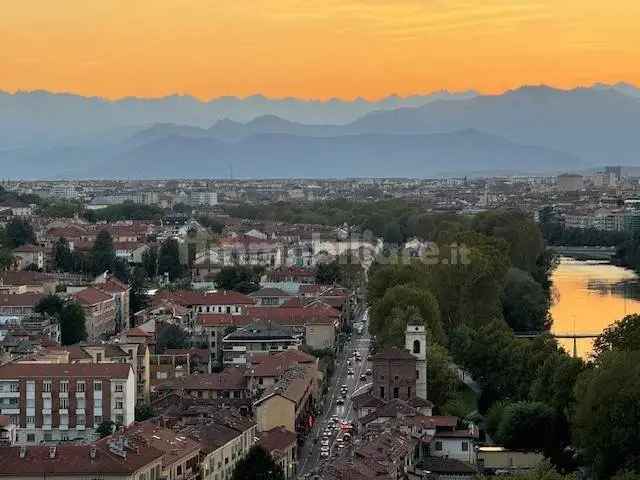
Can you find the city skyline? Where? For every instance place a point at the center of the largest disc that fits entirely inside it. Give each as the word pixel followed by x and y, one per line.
pixel 347 49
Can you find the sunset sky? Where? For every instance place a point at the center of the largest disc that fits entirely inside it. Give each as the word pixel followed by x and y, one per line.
pixel 312 48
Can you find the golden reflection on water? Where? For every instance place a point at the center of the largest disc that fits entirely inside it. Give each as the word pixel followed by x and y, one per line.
pixel 586 300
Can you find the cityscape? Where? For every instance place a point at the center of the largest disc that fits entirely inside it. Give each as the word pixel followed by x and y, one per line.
pixel 320 240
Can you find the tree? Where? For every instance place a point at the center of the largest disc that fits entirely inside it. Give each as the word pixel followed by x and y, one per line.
pixel 169 259
pixel 7 259
pixel 19 232
pixel 51 305
pixel 406 295
pixel 171 336
pixel 239 278
pixel 73 327
pixel 62 256
pixel 103 255
pixel 106 428
pixel 607 416
pixel 624 335
pixel 527 426
pixel 150 262
pixel 524 303
pixel 144 412
pixel 257 465
pixel 441 379
pixel 138 299
pixel 327 273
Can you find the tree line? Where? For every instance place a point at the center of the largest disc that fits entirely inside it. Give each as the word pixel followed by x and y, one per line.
pixel 533 394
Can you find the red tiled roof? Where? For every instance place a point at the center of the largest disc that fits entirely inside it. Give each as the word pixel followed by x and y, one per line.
pixel 277 440
pixel 91 296
pixel 137 332
pixel 223 297
pixel 222 320
pixel 87 370
pixel 228 379
pixel 75 460
pixel 112 285
pixel 21 300
pixel 174 446
pixel 294 315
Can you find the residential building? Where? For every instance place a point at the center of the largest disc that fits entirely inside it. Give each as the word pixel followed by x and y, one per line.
pixel 51 402
pixel 283 447
pixel 110 458
pixel 230 383
pixel 30 255
pixel 257 337
pixel 21 304
pixel 100 312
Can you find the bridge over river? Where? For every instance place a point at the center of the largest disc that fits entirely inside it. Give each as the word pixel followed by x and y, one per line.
pixel 584 253
pixel 565 335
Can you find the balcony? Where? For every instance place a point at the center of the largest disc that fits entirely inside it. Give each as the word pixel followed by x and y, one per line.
pixel 46 394
pixel 234 348
pixel 10 411
pixel 63 411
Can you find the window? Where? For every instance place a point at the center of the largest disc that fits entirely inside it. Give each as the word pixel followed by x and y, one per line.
pixel 14 387
pixel 47 436
pixel 97 403
pixel 64 386
pixel 64 436
pixel 80 403
pixel 119 387
pixel 98 357
pixel 465 446
pixel 417 373
pixel 46 404
pixel 46 420
pixel 46 386
pixel 80 420
pixel 396 392
pixel 31 437
pixel 97 386
pixel 416 346
pixel 381 392
pixel 31 420
pixel 97 420
pixel 409 392
pixel 80 387
pixel 64 403
pixel 438 446
pixel 119 404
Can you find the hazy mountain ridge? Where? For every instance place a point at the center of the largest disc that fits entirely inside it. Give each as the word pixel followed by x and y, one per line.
pixel 530 129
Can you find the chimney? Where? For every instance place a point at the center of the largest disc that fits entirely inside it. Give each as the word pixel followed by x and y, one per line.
pixel 52 452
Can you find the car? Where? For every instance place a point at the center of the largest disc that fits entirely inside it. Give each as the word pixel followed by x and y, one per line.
pixel 324 448
pixel 348 363
pixel 340 445
pixel 343 386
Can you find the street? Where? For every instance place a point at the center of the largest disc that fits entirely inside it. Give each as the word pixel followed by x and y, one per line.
pixel 311 458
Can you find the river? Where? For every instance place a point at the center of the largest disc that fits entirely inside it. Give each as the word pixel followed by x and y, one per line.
pixel 589 296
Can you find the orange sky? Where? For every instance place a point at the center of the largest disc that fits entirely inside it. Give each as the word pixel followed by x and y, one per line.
pixel 314 49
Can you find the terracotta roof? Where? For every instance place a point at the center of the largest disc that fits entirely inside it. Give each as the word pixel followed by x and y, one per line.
pixel 112 285
pixel 21 300
pixel 393 353
pixel 223 297
pixel 26 278
pixel 294 315
pixel 61 370
pixel 222 320
pixel 277 440
pixel 273 364
pixel 137 332
pixel 228 379
pixel 174 446
pixel 91 296
pixel 75 460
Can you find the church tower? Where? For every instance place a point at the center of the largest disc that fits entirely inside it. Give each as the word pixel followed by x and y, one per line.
pixel 416 344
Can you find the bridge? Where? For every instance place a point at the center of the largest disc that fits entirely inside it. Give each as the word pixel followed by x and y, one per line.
pixel 584 253
pixel 562 335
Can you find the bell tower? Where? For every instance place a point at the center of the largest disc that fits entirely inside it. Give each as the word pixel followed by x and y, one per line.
pixel 416 344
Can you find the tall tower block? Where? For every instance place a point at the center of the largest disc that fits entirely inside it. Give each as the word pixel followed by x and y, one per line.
pixel 416 344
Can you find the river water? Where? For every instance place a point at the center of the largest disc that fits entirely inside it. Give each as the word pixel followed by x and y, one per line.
pixel 588 297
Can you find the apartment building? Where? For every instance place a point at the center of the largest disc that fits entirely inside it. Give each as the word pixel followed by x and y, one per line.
pixel 51 402
pixel 100 312
pixel 258 337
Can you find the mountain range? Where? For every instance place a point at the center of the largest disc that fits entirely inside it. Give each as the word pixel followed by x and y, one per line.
pixel 533 129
